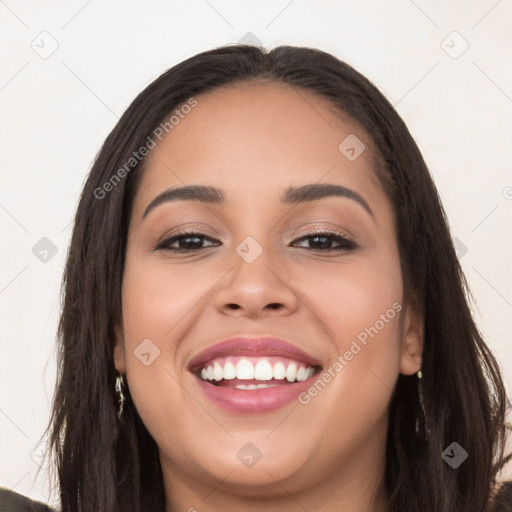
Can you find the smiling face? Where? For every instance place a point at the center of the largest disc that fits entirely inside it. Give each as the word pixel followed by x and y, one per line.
pixel 319 271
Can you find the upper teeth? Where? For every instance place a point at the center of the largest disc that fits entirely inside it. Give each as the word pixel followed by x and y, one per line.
pixel 257 369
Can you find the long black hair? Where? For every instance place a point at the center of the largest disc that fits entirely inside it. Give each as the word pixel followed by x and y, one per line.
pixel 110 465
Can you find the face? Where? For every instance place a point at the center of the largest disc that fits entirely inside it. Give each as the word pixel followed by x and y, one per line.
pixel 322 274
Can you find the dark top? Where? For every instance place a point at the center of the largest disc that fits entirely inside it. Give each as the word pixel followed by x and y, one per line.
pixel 11 501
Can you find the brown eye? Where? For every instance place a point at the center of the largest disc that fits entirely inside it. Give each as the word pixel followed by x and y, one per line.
pixel 324 240
pixel 186 242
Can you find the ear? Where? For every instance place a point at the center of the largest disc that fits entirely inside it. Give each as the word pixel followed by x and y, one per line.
pixel 119 358
pixel 412 339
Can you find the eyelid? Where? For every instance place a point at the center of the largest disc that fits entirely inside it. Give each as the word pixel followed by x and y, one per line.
pixel 188 230
pixel 321 230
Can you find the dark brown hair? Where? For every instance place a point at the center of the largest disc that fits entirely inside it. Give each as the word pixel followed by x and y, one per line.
pixel 110 465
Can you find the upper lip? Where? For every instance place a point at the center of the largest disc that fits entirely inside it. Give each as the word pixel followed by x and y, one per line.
pixel 251 346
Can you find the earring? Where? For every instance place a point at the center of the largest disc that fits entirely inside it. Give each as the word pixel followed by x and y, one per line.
pixel 420 396
pixel 120 396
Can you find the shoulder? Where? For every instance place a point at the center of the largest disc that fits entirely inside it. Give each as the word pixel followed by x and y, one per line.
pixel 503 499
pixel 11 501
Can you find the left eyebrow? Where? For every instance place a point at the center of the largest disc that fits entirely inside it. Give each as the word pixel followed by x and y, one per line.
pixel 294 195
pixel 318 191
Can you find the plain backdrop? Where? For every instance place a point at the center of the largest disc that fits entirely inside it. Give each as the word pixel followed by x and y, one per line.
pixel 68 69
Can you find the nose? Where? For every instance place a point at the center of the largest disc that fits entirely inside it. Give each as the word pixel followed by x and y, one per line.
pixel 258 288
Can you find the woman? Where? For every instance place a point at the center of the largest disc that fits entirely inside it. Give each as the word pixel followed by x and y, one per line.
pixel 263 308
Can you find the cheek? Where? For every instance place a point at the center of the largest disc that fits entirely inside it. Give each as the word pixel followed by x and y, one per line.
pixel 359 306
pixel 158 307
pixel 157 297
pixel 359 295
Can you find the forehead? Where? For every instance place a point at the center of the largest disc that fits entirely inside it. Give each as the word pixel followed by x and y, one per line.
pixel 254 141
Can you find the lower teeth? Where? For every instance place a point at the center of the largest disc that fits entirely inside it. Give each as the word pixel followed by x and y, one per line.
pixel 254 386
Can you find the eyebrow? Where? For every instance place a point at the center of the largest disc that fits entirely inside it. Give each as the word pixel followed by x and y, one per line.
pixel 292 195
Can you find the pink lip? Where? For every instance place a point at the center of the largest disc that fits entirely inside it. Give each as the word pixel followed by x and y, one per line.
pixel 257 400
pixel 253 347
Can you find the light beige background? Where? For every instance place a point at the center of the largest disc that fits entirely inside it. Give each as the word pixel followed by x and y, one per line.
pixel 57 108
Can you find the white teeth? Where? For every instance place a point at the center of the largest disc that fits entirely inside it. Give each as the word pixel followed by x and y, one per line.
pixel 217 371
pixel 302 374
pixel 263 370
pixel 254 386
pixel 291 372
pixel 279 371
pixel 229 371
pixel 244 370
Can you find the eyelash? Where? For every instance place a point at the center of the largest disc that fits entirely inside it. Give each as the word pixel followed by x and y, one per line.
pixel 346 244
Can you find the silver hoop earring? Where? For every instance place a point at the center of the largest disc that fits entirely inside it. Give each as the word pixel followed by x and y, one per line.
pixel 422 405
pixel 120 396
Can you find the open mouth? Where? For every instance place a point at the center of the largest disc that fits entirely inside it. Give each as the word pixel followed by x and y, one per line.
pixel 250 373
pixel 253 375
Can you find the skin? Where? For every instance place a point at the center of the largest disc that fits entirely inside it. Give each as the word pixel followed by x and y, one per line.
pixel 254 141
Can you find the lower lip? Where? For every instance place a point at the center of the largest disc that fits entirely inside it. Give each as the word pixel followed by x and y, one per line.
pixel 254 400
